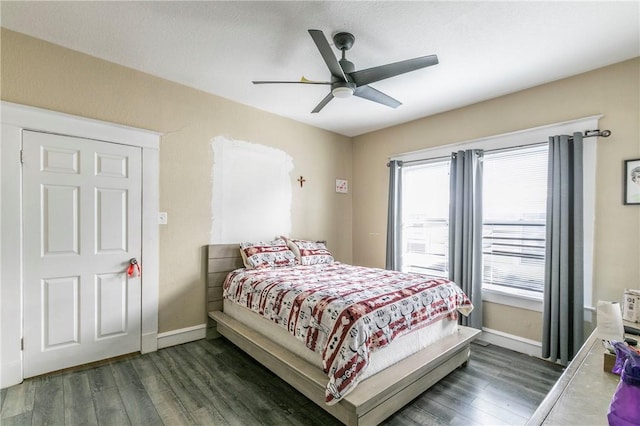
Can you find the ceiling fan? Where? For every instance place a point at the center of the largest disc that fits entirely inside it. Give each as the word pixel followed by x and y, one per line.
pixel 346 81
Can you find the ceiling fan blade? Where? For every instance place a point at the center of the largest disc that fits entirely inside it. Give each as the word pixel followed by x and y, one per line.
pixel 322 103
pixel 327 54
pixel 368 92
pixel 371 75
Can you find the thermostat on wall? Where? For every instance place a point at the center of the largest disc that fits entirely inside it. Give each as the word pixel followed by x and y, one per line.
pixel 342 186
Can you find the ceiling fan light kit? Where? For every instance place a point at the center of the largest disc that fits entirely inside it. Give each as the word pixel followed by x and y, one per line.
pixel 346 81
pixel 342 92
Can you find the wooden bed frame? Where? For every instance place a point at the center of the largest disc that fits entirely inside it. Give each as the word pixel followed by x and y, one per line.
pixel 375 398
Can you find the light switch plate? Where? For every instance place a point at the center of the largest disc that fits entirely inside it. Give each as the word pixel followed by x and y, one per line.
pixel 162 218
pixel 342 186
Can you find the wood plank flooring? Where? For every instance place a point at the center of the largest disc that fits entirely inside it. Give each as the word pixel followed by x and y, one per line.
pixel 211 382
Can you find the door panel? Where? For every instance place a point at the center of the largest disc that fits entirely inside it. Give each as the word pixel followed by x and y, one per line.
pixel 111 165
pixel 61 300
pixel 59 160
pixel 111 220
pixel 111 305
pixel 60 227
pixel 82 224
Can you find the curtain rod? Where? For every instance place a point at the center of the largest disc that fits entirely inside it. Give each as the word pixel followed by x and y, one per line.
pixel 586 134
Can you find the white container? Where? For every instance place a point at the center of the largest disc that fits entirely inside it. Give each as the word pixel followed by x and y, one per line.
pixel 631 305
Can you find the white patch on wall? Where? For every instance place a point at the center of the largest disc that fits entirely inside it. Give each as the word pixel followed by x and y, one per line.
pixel 251 198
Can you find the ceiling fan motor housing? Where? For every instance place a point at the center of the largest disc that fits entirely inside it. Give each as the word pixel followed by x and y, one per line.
pixel 347 66
pixel 343 89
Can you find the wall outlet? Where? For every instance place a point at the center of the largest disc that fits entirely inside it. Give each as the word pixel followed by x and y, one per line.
pixel 162 218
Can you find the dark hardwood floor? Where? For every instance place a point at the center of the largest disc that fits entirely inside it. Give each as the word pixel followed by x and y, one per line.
pixel 211 382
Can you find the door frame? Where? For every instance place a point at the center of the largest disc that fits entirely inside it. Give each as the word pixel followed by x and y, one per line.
pixel 16 118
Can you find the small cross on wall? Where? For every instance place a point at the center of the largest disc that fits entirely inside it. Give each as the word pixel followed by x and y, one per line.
pixel 302 181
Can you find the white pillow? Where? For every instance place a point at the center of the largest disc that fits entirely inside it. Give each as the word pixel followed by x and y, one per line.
pixel 310 252
pixel 268 254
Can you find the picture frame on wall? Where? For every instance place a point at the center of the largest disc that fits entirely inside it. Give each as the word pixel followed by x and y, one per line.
pixel 632 181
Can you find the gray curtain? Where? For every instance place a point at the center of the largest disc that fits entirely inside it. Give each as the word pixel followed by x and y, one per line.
pixel 465 229
pixel 563 313
pixel 394 217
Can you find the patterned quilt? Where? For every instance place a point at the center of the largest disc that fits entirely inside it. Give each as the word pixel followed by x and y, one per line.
pixel 345 312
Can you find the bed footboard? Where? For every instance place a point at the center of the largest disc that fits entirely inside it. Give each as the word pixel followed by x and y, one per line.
pixel 375 398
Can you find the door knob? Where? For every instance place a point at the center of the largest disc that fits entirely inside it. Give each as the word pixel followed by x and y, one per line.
pixel 134 268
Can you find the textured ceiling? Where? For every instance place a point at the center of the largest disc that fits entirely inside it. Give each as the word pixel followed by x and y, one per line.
pixel 486 49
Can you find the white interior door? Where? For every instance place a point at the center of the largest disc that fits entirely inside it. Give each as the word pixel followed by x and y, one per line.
pixel 82 225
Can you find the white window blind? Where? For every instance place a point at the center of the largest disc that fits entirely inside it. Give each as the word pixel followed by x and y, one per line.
pixel 514 214
pixel 425 218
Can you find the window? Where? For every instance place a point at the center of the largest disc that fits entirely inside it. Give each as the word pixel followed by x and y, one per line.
pixel 514 215
pixel 514 211
pixel 429 254
pixel 425 218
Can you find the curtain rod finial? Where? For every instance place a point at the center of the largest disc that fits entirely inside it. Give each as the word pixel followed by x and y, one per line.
pixel 597 132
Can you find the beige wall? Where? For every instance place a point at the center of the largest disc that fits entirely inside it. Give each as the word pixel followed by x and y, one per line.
pixel 527 324
pixel 47 76
pixel 613 91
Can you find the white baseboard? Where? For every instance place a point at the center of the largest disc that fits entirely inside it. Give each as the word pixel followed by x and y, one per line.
pixel 511 341
pixel 183 335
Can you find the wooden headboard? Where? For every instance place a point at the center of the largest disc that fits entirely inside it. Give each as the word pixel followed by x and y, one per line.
pixel 221 259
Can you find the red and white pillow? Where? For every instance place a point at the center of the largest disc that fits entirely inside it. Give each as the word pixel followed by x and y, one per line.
pixel 310 252
pixel 269 254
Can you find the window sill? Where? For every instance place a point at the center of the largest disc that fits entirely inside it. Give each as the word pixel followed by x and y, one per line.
pixel 510 297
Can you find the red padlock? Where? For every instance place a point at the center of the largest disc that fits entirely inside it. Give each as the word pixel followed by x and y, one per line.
pixel 134 269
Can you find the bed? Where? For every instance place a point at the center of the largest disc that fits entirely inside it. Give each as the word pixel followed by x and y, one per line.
pixel 373 397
